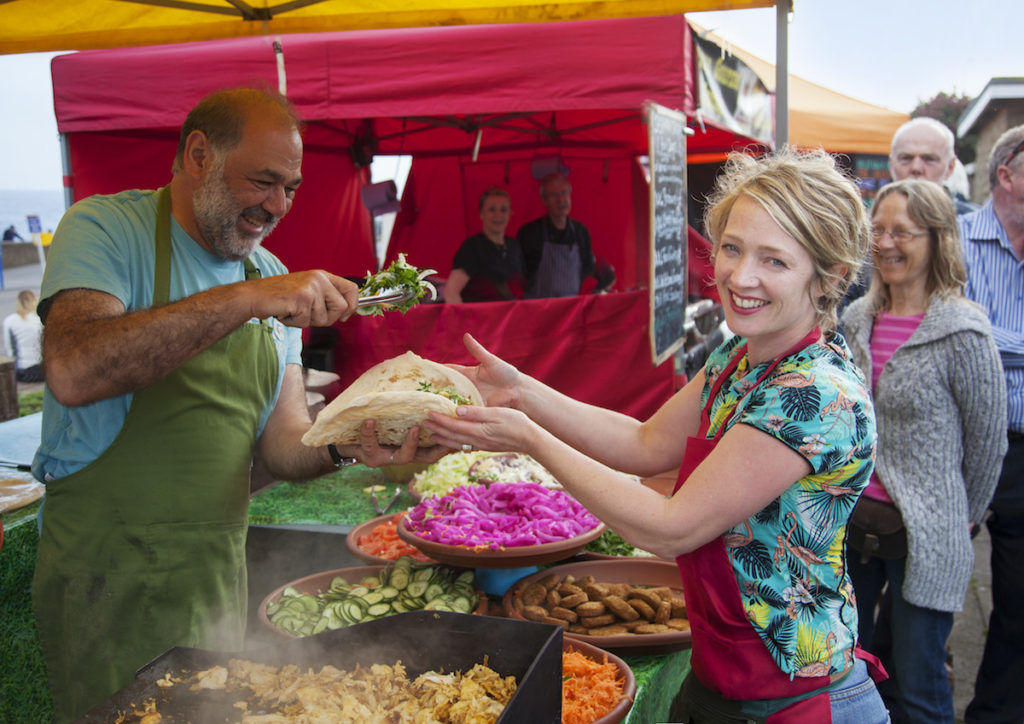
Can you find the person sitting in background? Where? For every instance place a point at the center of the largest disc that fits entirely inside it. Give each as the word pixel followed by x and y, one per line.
pixel 940 406
pixel 488 266
pixel 23 339
pixel 774 440
pixel 556 249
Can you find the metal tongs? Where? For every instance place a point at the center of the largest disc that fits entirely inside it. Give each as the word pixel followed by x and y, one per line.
pixel 386 296
pixel 376 504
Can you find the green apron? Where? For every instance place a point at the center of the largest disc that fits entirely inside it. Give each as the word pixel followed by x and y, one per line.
pixel 144 548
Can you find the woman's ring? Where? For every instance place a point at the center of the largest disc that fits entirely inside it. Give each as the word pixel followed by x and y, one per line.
pixel 466 447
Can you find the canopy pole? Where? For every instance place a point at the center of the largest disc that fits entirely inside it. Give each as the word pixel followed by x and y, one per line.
pixel 782 10
pixel 282 79
pixel 476 143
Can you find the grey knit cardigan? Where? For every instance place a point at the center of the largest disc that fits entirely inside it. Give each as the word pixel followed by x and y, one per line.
pixel 940 407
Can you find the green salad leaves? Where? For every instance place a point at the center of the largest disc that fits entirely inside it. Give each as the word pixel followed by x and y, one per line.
pixel 450 392
pixel 399 277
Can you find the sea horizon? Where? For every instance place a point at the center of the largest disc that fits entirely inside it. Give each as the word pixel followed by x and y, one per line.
pixel 16 205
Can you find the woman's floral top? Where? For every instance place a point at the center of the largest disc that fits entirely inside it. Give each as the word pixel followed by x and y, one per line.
pixel 789 557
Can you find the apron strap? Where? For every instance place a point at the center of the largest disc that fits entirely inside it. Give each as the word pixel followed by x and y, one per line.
pixel 162 268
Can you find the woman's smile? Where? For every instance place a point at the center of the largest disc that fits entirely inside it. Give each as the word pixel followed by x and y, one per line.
pixel 766 276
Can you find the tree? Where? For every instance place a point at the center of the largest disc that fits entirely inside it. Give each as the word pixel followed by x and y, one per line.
pixel 947 109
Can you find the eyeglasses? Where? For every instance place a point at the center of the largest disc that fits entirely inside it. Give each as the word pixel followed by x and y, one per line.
pixel 900 236
pixel 1013 154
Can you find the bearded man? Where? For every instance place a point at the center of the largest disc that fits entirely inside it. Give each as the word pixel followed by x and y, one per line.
pixel 172 352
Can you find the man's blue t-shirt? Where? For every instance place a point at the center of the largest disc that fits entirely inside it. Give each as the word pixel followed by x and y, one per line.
pixel 106 243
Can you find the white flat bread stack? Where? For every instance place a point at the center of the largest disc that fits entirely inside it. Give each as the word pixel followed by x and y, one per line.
pixel 389 393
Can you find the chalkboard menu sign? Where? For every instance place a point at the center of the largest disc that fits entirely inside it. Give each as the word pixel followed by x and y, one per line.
pixel 667 149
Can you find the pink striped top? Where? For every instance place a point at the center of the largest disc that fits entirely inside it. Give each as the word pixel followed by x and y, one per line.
pixel 888 334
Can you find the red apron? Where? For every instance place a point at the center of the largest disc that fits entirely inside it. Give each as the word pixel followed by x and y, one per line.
pixel 728 655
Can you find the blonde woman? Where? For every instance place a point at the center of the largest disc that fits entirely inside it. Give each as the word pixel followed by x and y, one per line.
pixel 23 339
pixel 940 406
pixel 773 439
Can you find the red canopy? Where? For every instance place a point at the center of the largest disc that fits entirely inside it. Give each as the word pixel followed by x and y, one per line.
pixel 473 105
pixel 574 89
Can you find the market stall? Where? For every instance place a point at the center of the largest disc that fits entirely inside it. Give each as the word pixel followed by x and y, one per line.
pixel 541 94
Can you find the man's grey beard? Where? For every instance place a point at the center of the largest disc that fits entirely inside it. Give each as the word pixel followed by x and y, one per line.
pixel 217 213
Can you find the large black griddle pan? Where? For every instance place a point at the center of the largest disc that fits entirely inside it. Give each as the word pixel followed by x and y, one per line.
pixel 421 640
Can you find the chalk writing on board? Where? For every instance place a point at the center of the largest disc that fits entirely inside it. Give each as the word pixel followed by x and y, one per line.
pixel 667 148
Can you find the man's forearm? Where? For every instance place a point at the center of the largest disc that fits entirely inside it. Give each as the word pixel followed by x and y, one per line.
pixel 91 353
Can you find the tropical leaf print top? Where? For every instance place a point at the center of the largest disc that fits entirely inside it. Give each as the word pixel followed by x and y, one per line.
pixel 788 557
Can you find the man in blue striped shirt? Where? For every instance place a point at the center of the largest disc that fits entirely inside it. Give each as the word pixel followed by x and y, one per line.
pixel 993 243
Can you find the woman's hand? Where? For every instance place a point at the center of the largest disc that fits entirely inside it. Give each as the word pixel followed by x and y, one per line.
pixel 485 428
pixel 497 380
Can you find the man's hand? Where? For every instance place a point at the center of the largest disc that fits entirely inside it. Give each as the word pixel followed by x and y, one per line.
pixel 370 453
pixel 303 299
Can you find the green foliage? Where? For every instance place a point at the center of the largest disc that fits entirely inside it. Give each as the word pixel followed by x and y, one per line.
pixel 24 696
pixel 947 108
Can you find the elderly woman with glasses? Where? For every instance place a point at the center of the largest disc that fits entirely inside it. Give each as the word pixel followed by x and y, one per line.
pixel 940 402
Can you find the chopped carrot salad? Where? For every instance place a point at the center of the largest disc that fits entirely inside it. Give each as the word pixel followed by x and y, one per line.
pixel 589 689
pixel 383 541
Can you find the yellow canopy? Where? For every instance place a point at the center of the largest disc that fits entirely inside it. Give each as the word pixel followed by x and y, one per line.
pixel 819 117
pixel 50 25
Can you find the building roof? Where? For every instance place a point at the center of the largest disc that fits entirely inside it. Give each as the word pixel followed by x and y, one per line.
pixel 997 89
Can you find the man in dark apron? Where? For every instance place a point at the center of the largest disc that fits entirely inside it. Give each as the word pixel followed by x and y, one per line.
pixel 172 353
pixel 556 249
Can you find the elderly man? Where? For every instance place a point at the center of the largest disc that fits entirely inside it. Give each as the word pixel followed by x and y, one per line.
pixel 922 148
pixel 172 352
pixel 993 242
pixel 556 249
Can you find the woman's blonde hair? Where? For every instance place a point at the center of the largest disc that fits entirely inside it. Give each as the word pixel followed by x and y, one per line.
pixel 814 202
pixel 26 303
pixel 930 207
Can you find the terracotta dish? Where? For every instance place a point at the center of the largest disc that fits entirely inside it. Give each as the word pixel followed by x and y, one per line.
pixel 634 571
pixel 320 582
pixel 517 557
pixel 352 539
pixel 619 712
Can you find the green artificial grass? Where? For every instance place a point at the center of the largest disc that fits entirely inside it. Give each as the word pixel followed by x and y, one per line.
pixel 335 499
pixel 24 696
pixel 30 403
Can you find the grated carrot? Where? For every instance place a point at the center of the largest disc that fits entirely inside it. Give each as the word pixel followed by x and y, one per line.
pixel 589 689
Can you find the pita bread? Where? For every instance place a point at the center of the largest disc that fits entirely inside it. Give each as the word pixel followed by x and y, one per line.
pixel 389 393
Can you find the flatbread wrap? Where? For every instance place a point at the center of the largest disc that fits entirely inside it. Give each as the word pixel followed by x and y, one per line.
pixel 397 393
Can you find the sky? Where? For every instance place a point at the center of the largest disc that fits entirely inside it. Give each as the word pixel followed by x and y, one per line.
pixel 893 53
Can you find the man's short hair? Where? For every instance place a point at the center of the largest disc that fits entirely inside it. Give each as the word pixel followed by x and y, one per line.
pixel 925 122
pixel 1001 153
pixel 221 116
pixel 553 176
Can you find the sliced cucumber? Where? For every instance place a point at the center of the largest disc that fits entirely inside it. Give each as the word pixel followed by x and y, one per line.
pixel 416 588
pixel 399 578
